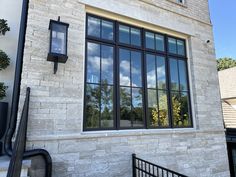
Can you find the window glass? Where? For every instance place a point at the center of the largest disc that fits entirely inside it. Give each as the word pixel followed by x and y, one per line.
pixel 135 37
pixel 124 59
pixel 163 109
pixel 137 107
pixel 92 111
pixel 160 46
pixel 125 107
pixel 107 119
pixel 152 108
pixel 174 76
pixel 172 45
pixel 183 75
pixel 136 69
pixel 94 26
pixel 151 70
pixel 107 30
pixel 161 72
pixel 142 76
pixel 93 62
pixel 149 40
pixel 124 34
pixel 180 45
pixel 184 102
pixel 107 64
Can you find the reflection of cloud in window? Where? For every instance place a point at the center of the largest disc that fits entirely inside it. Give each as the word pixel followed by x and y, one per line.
pixel 161 72
pixel 151 76
pixel 93 49
pixel 124 80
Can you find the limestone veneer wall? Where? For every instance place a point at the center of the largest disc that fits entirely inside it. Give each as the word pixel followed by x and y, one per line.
pixel 56 104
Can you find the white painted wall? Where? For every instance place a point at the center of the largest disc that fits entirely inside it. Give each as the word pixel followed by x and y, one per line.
pixel 10 10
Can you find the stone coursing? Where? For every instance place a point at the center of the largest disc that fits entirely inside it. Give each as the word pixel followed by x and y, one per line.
pixel 56 105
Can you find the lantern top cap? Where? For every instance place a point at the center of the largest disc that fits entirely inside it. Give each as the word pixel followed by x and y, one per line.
pixel 57 22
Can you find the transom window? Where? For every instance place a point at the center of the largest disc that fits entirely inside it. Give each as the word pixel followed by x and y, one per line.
pixel 134 78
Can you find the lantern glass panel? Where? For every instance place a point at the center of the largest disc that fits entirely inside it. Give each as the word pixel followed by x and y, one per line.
pixel 58 44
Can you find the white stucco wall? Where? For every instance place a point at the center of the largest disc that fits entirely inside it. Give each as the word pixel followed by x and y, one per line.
pixel 10 10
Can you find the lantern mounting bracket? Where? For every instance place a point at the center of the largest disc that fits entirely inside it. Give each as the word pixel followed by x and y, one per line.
pixel 58 42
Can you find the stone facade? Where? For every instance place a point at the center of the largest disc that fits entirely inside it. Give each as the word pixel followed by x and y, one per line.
pixel 56 105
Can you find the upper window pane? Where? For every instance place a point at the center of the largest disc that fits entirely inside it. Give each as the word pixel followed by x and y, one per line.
pixel 124 34
pixel 135 37
pixel 107 30
pixel 100 28
pixel 180 47
pixel 149 40
pixel 172 45
pixel 128 35
pixel 94 26
pixel 160 46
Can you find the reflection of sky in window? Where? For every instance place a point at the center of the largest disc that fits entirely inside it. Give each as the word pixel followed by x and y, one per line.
pixel 124 36
pixel 93 63
pixel 125 68
pixel 93 26
pixel 150 43
pixel 174 74
pixel 107 30
pixel 152 71
pixel 107 64
pixel 172 45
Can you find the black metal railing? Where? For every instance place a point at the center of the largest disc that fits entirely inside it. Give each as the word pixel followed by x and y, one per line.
pixel 143 168
pixel 14 169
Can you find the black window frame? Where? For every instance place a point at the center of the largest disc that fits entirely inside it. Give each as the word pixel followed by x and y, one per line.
pixel 116 82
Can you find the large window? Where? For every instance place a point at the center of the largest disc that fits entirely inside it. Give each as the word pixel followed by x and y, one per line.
pixel 134 78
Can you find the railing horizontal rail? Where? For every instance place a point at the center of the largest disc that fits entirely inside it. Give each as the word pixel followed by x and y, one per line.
pixel 143 168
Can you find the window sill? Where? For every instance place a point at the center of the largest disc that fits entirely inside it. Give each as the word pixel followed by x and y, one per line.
pixel 116 133
pixel 180 4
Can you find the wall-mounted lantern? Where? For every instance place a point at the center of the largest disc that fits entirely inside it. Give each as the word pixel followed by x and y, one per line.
pixel 58 42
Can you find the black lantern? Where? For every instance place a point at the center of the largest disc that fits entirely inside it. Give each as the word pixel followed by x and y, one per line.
pixel 58 42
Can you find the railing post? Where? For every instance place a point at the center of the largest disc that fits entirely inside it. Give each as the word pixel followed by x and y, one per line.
pixel 134 164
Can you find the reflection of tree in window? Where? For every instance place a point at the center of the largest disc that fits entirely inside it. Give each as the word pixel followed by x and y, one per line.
pixel 92 106
pixel 106 105
pixel 160 114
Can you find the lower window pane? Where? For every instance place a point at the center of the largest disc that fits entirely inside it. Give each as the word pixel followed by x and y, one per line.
pixel 163 109
pixel 152 108
pixel 92 107
pixel 180 107
pixel 125 107
pixel 137 107
pixel 107 119
pixel 176 109
pixel 185 109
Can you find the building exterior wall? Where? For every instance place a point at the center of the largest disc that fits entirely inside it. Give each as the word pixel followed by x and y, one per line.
pixel 56 104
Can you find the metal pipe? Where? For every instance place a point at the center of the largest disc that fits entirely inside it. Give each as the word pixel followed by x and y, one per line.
pixel 16 94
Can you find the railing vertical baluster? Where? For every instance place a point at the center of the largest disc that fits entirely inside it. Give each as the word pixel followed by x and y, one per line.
pixel 134 165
